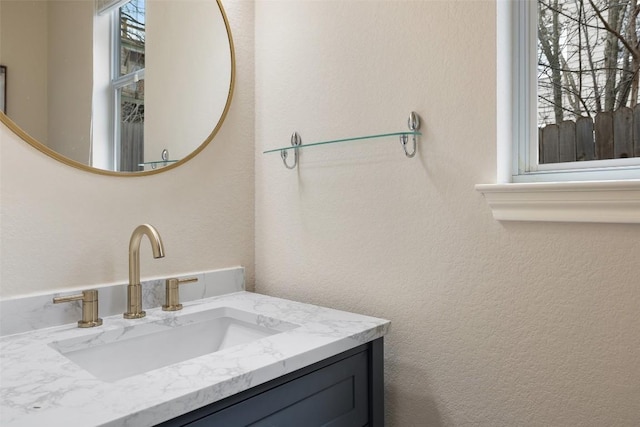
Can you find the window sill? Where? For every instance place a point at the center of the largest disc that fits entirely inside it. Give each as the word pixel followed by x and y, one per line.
pixel 591 201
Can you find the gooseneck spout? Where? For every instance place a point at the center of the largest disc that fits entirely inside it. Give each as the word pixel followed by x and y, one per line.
pixel 134 289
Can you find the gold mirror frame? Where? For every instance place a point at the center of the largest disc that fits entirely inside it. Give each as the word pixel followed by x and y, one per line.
pixel 63 159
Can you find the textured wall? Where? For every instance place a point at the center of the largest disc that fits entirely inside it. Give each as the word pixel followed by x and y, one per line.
pixel 494 324
pixel 49 71
pixel 65 228
pixel 26 67
pixel 70 78
pixel 182 57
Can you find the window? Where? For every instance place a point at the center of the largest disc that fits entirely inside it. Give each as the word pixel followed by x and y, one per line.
pixel 119 29
pixel 541 182
pixel 128 59
pixel 575 80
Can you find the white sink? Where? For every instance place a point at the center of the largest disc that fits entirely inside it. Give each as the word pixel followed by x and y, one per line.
pixel 115 354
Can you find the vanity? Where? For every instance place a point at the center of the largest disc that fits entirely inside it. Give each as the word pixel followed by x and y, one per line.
pixel 219 355
pixel 231 359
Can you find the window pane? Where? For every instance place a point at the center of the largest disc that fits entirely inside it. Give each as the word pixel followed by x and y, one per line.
pixel 132 36
pixel 588 63
pixel 131 102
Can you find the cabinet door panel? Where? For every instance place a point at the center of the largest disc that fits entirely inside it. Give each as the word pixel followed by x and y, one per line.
pixel 335 396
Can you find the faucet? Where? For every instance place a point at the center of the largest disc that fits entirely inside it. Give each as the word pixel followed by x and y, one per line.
pixel 134 289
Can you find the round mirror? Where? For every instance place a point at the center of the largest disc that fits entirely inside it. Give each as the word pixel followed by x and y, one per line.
pixel 116 87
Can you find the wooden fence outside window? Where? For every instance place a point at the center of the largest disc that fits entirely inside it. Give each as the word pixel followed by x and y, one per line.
pixel 612 135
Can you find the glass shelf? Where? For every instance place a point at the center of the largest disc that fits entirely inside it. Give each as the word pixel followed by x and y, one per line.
pixel 156 163
pixel 334 141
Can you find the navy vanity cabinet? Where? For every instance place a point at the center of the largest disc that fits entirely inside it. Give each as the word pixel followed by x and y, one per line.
pixel 345 390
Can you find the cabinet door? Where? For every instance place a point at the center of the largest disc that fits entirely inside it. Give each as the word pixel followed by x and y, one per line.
pixel 336 396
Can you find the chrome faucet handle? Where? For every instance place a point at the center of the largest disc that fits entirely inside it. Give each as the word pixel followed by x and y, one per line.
pixel 89 300
pixel 172 298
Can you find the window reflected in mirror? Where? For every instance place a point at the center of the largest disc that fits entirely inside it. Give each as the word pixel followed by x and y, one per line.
pixel 128 85
pixel 131 127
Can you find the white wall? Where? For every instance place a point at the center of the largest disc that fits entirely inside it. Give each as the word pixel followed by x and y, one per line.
pixel 178 59
pixel 65 228
pixel 493 324
pixel 26 68
pixel 49 71
pixel 70 78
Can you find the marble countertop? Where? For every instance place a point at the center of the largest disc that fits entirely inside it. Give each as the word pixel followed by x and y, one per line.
pixel 40 386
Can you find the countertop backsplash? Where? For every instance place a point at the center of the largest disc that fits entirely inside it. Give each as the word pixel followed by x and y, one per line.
pixel 22 314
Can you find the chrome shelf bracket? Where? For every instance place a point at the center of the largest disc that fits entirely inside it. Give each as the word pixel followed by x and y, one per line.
pixel 414 125
pixel 295 142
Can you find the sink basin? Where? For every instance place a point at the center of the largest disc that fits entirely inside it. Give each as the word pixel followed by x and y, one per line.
pixel 116 354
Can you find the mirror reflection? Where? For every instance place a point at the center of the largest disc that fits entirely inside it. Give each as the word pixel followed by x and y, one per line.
pixel 117 85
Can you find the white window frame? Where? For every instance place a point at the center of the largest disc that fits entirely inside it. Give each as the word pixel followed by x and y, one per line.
pixel 525 190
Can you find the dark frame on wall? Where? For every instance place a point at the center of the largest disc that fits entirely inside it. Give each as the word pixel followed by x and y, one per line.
pixel 3 89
